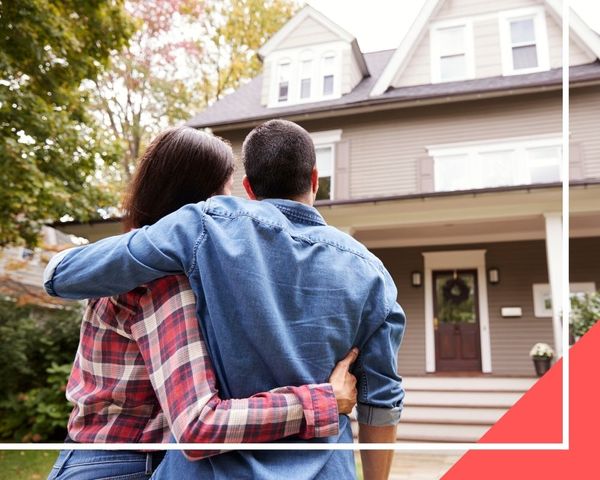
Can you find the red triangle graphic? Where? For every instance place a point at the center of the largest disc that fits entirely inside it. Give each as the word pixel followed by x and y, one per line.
pixel 537 418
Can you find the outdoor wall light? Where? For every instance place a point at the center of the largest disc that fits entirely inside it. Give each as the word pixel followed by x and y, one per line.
pixel 416 279
pixel 494 276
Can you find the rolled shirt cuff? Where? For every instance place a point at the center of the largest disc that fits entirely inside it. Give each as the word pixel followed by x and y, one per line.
pixel 321 418
pixel 377 416
pixel 51 269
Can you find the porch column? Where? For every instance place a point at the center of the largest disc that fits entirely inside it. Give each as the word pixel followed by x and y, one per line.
pixel 554 254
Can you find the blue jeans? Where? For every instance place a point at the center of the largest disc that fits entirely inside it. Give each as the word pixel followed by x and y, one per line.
pixel 104 465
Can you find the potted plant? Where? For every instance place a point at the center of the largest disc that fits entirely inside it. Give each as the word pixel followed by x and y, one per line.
pixel 542 355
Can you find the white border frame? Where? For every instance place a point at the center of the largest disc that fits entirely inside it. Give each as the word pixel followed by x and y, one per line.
pixel 457 260
pixel 541 39
pixel 562 446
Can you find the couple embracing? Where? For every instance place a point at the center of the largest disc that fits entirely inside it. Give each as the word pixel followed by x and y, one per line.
pixel 226 321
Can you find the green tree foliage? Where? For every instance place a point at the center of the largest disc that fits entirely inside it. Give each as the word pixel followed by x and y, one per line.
pixel 37 350
pixel 585 312
pixel 234 32
pixel 49 147
pixel 184 55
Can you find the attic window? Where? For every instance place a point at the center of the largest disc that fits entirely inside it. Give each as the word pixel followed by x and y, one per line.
pixel 451 52
pixel 284 81
pixel 523 46
pixel 524 41
pixel 328 74
pixel 306 72
pixel 305 75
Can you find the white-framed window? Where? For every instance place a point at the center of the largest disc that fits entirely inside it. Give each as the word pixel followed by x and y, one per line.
pixel 328 74
pixel 283 82
pixel 306 76
pixel 522 161
pixel 302 75
pixel 452 51
pixel 325 152
pixel 524 41
pixel 542 296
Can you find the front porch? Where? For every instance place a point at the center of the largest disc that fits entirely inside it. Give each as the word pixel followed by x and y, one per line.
pixel 517 232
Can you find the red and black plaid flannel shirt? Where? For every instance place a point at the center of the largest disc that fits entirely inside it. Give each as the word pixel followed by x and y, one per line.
pixel 142 372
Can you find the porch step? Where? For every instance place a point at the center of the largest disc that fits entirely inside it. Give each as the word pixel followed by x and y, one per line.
pixel 473 399
pixel 411 432
pixel 456 409
pixel 452 415
pixel 468 384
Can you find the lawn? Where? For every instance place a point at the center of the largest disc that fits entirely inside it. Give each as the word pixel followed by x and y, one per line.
pixel 26 464
pixel 36 464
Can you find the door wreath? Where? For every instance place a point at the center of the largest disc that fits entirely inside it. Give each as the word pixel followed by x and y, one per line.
pixel 456 291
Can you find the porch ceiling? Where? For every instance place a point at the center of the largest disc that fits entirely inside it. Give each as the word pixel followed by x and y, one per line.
pixel 460 232
pixel 489 216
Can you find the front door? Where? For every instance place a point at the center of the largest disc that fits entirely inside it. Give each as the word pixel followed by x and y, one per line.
pixel 456 321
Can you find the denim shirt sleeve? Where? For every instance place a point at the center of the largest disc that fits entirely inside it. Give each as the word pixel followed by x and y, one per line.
pixel 380 391
pixel 118 264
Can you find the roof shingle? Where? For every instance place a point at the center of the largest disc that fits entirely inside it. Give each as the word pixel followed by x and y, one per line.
pixel 243 105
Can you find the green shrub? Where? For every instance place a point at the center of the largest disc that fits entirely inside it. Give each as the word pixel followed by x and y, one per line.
pixel 37 348
pixel 585 312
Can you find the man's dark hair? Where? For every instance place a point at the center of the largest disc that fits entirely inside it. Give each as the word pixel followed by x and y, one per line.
pixel 279 157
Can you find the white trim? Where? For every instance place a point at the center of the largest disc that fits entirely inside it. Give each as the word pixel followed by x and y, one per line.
pixel 588 38
pixel 453 260
pixel 404 51
pixel 492 237
pixel 290 26
pixel 542 290
pixel 554 253
pixel 496 142
pixel 324 139
pixel 295 56
pixel 518 160
pixel 538 15
pixel 326 136
pixel 434 53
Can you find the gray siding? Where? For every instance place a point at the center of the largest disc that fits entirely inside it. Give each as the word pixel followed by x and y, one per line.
pixel 267 74
pixel 388 149
pixel 584 260
pixel 467 8
pixel 351 74
pixel 386 146
pixel 309 32
pixel 585 129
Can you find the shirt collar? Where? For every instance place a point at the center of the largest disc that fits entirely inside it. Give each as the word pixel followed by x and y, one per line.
pixel 297 211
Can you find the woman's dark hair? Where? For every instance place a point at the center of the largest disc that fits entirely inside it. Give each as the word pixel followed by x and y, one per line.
pixel 182 165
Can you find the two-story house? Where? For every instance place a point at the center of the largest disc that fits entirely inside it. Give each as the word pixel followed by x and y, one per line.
pixel 444 158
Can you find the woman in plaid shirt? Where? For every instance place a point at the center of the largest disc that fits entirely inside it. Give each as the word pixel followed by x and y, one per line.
pixel 142 371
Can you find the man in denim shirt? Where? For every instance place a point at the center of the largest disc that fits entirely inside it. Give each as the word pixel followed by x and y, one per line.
pixel 281 297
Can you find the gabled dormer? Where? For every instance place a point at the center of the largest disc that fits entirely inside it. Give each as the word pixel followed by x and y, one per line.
pixel 311 59
pixel 457 40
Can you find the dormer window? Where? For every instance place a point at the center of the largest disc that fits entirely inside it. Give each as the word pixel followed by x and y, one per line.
pixel 328 74
pixel 451 52
pixel 306 74
pixel 284 81
pixel 524 41
pixel 522 38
